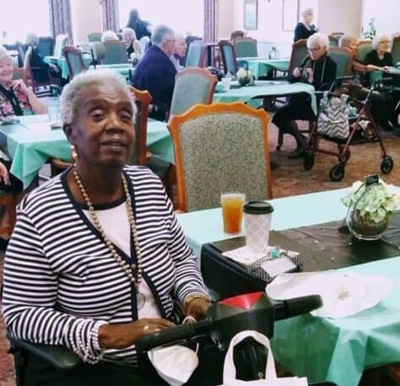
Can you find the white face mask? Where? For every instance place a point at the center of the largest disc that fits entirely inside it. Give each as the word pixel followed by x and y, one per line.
pixel 174 364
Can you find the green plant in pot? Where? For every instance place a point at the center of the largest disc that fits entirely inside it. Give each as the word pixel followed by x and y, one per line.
pixel 371 204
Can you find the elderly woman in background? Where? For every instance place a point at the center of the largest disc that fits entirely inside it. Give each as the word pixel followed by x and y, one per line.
pixel 317 69
pixel 141 27
pixel 305 28
pixel 16 99
pixel 97 258
pixel 40 71
pixel 381 102
pixel 179 52
pixel 132 44
pixel 109 36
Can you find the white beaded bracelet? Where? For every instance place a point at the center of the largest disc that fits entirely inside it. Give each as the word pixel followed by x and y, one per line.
pixel 189 317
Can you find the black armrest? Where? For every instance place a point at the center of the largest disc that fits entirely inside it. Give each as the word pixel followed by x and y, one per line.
pixel 58 356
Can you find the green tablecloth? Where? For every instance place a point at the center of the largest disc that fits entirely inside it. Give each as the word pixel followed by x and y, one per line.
pixel 261 66
pixel 263 89
pixel 320 348
pixel 31 143
pixel 122 69
pixel 62 63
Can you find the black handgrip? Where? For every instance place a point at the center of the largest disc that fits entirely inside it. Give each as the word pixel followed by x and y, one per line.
pixel 171 335
pixel 296 306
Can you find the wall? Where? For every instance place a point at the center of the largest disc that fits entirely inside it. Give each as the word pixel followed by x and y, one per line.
pixel 86 18
pixel 386 14
pixel 340 16
pixel 225 19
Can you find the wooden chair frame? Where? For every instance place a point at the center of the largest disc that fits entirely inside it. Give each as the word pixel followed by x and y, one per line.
pixel 215 108
pixel 8 200
pixel 144 99
pixel 295 46
pixel 237 34
pixel 395 40
pixel 223 43
pixel 73 50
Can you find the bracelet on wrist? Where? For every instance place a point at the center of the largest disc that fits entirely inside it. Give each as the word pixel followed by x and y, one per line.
pixel 189 317
pixel 189 298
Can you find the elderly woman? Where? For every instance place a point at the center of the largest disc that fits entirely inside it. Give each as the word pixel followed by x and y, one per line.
pixel 40 71
pixel 15 99
pixel 141 27
pixel 132 44
pixel 97 258
pixel 317 69
pixel 179 52
pixel 305 28
pixel 109 36
pixel 381 102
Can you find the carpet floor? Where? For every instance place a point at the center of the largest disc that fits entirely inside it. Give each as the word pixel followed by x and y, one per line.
pixel 289 178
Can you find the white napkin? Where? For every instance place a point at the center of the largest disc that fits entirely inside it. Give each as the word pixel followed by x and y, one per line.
pixel 343 294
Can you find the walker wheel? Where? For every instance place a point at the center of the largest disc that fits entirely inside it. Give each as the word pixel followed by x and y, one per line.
pixel 308 160
pixel 337 172
pixel 387 164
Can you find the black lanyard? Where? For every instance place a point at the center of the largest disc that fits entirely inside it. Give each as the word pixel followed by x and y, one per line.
pixel 10 96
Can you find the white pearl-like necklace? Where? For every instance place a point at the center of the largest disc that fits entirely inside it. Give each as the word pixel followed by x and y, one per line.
pixel 127 268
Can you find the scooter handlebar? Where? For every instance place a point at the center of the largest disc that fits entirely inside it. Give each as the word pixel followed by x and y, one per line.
pixel 292 307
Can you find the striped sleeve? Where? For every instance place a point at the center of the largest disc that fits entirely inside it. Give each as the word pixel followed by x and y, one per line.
pixel 188 278
pixel 30 292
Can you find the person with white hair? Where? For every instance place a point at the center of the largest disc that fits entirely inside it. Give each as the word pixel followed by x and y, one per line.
pixel 132 44
pixel 304 29
pixel 40 69
pixel 179 52
pixel 317 69
pixel 109 36
pixel 156 73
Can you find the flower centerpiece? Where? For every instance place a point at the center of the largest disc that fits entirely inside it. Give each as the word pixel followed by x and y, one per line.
pixel 244 75
pixel 371 204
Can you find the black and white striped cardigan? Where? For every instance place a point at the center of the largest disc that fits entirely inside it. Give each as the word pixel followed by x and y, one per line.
pixel 58 271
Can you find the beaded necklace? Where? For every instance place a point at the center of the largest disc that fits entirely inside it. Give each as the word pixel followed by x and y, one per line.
pixel 127 268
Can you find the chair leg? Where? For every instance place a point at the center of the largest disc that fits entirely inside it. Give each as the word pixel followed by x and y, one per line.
pixel 280 140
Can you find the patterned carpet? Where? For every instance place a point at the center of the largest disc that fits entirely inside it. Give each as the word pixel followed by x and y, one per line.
pixel 289 178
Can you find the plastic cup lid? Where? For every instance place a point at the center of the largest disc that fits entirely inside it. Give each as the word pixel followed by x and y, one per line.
pixel 258 207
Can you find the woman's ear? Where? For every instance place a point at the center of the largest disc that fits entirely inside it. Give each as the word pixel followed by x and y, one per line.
pixel 68 131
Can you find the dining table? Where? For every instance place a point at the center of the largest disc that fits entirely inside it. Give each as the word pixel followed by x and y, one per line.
pixel 30 142
pixel 262 66
pixel 61 62
pixel 321 348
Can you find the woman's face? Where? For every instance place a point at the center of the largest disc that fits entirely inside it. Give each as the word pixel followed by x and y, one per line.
pixel 353 46
pixel 104 133
pixel 316 51
pixel 384 45
pixel 308 18
pixel 6 71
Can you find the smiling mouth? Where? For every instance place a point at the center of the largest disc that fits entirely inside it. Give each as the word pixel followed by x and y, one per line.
pixel 114 145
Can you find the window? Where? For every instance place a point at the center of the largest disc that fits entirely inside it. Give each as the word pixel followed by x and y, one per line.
pixel 22 17
pixel 168 12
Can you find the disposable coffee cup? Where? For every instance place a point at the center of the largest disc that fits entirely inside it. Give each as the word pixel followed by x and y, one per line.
pixel 257 219
pixel 226 83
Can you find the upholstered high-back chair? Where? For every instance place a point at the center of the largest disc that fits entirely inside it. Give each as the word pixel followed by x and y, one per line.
pixel 228 54
pixel 299 52
pixel 98 52
pixel 20 73
pixel 46 45
pixel 193 85
pixel 219 148
pixel 61 42
pixel 115 52
pixel 396 49
pixel 196 54
pixel 363 48
pixel 237 34
pixel 245 47
pixel 333 42
pixel 74 59
pixel 343 59
pixel 94 37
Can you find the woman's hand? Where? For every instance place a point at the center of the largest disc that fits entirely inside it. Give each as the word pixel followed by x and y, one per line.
pixel 19 85
pixel 310 75
pixel 297 72
pixel 197 308
pixel 120 336
pixel 4 176
pixel 54 68
pixel 386 69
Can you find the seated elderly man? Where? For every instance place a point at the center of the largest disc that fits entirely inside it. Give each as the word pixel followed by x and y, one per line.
pixel 179 52
pixel 156 72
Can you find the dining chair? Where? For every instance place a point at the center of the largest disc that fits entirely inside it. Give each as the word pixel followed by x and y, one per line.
pixel 115 52
pixel 196 54
pixel 94 37
pixel 343 58
pixel 333 42
pixel 7 200
pixel 337 35
pixel 237 34
pixel 245 47
pixel 98 52
pixel 220 148
pixel 363 48
pixel 193 85
pixel 396 49
pixel 20 73
pixel 46 45
pixel 21 53
pixel 74 59
pixel 61 42
pixel 228 54
pixel 299 52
